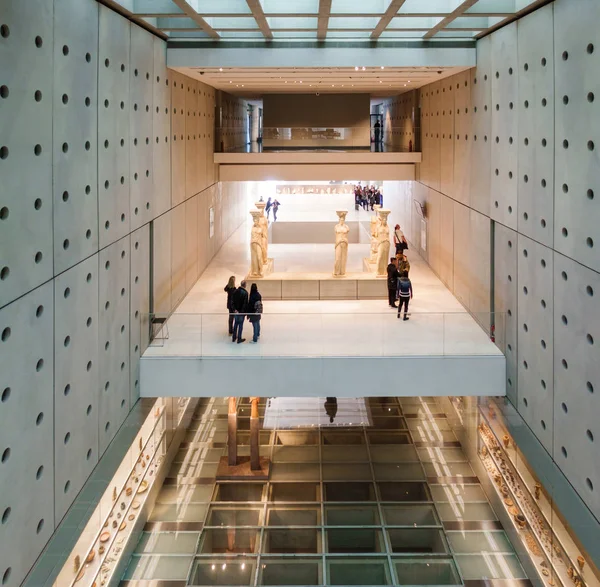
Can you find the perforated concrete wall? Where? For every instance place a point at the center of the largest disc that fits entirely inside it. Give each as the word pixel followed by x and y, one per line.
pixel 534 172
pixel 86 153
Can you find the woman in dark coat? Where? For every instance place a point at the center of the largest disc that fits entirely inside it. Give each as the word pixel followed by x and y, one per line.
pixel 255 309
pixel 229 289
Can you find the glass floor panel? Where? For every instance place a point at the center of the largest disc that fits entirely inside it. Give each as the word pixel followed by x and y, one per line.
pixel 490 566
pixel 219 571
pixel 280 571
pixel 358 571
pixel 168 543
pixel 415 571
pixel 342 506
pixel 159 567
pixel 479 542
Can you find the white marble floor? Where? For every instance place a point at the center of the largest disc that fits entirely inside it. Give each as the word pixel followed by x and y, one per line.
pixel 438 324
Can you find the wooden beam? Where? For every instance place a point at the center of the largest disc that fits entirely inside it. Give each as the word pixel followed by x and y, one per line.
pixel 323 19
pixel 260 18
pixel 391 11
pixel 232 433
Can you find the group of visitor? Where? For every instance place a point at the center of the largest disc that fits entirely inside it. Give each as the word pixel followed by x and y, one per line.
pixel 272 205
pixel 242 305
pixel 366 197
pixel 399 284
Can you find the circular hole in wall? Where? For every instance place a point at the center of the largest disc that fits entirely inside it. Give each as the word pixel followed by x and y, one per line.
pixel 565 364
pixel 543 302
pixel 590 145
pixel 589 241
pixel 543 384
pixel 590 97
pixel 67 486
pixel 590 435
pixel 564 319
pixel 39 472
pixel 589 484
pixel 590 48
pixel 525 401
pixel 543 424
pixel 88 456
pixel 67 389
pixel 565 232
pixel 590 194
pixel 589 290
pixel 39 365
pixel 589 338
pixel 39 526
pixel 590 387
pixel 564 451
pixel 563 405
pixel 5 394
pixel 67 437
pixel 5 455
pixel 39 419
pixel 525 328
pixel 6 334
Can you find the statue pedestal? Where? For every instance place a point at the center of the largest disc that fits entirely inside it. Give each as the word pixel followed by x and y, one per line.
pixel 268 268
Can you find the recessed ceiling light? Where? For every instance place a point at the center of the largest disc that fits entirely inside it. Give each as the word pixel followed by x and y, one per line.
pixel 229 81
pixel 382 67
pixel 220 69
pixel 409 81
pixel 242 85
pixel 404 85
pixel 300 81
pixel 356 68
pixel 333 85
pixel 380 82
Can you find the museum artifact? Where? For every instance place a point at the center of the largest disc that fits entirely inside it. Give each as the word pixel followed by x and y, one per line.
pixel 341 244
pixel 374 227
pixel 256 243
pixel 264 224
pixel 383 243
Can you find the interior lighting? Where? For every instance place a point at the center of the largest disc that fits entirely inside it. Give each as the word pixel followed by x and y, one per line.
pixel 243 566
pixel 356 68
pixel 383 67
pixel 364 68
pixel 229 81
pixel 212 567
pixel 220 69
pixel 300 81
pixel 224 566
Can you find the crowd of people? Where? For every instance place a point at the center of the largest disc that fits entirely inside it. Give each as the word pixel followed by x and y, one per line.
pixel 367 196
pixel 241 306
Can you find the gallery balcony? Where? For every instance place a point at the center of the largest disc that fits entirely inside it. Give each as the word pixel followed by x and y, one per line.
pixel 340 342
pixel 294 154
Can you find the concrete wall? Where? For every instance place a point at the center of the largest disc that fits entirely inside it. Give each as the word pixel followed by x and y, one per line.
pixel 401 121
pixel 326 110
pixel 509 155
pixel 101 147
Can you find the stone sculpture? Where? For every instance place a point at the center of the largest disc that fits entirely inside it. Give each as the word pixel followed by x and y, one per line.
pixel 374 227
pixel 383 243
pixel 256 246
pixel 341 244
pixel 264 224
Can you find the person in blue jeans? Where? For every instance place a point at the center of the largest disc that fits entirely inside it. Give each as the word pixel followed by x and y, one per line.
pixel 240 309
pixel 406 293
pixel 255 308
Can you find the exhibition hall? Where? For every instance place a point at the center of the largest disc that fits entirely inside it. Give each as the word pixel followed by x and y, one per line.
pixel 299 292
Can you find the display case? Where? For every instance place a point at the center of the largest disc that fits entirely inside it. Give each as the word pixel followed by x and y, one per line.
pixel 557 558
pixel 95 557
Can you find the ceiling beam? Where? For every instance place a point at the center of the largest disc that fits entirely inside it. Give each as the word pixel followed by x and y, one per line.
pixel 323 19
pixel 391 11
pixel 183 5
pixel 448 19
pixel 259 17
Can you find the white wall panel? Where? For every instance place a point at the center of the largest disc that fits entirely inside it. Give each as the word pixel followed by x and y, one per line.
pixel 504 148
pixel 26 255
pixel 161 127
pixel 204 143
pixel 140 304
pixel 535 333
pixel 577 140
pixel 505 302
pixel 75 124
pixel 536 125
pixel 463 136
pixel 178 260
pixel 113 126
pixel 577 377
pixel 482 128
pixel 75 380
pixel 191 242
pixel 26 432
pixel 113 339
pixel 178 160
pixel 141 178
pixel 191 137
pixel 446 104
pixel 162 265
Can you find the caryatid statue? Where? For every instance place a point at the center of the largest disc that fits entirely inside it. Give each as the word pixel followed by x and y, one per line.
pixel 374 227
pixel 383 243
pixel 256 246
pixel 264 224
pixel 341 244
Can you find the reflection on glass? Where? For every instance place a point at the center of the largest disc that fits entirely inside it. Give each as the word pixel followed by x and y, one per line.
pixel 275 571
pixel 229 541
pixel 429 571
pixel 357 571
pixel 219 571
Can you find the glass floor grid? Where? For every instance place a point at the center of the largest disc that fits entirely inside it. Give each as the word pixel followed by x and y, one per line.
pixel 371 515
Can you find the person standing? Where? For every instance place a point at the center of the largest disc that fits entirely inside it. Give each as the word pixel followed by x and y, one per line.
pixel 255 309
pixel 392 281
pixel 406 294
pixel 399 239
pixel 229 289
pixel 275 207
pixel 268 207
pixel 240 308
pixel 403 264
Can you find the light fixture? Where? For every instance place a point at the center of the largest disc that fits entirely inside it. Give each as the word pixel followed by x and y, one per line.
pixel 242 85
pixel 364 68
pixel 383 67
pixel 220 69
pixel 356 68
pixel 300 81
pixel 404 85
pixel 229 81
pixel 380 82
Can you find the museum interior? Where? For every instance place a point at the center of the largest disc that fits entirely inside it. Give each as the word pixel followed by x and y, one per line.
pixel 207 208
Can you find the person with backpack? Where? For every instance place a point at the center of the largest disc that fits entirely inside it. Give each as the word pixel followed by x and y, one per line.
pixel 399 240
pixel 240 309
pixel 229 289
pixel 406 293
pixel 255 309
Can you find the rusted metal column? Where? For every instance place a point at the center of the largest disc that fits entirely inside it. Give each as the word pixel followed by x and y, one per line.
pixel 254 435
pixel 232 433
